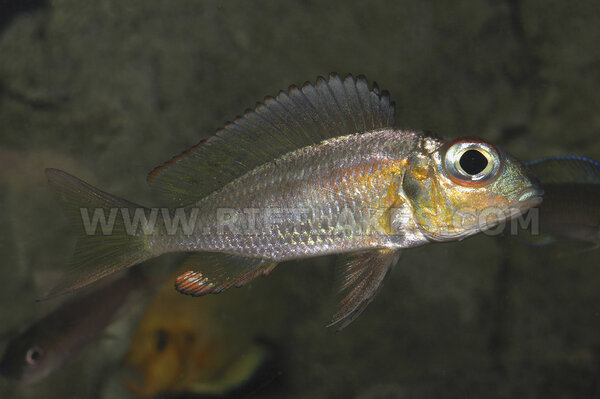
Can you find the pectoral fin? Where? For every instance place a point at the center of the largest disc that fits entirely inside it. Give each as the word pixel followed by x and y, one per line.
pixel 219 272
pixel 360 279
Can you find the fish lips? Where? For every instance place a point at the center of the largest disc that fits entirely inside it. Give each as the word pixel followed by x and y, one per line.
pixel 530 198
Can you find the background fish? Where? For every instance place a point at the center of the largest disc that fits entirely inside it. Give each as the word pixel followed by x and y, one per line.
pixel 571 207
pixel 184 345
pixel 48 343
pixel 326 159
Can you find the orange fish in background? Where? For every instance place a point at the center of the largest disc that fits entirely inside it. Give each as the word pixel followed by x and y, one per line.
pixel 184 344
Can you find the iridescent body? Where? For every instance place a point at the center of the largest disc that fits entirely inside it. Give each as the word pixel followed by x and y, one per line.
pixel 314 171
pixel 309 192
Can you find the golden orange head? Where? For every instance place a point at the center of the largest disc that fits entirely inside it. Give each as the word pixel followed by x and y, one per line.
pixel 466 186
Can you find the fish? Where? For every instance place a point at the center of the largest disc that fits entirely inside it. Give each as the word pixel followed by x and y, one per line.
pixel 182 345
pixel 47 344
pixel 570 212
pixel 319 169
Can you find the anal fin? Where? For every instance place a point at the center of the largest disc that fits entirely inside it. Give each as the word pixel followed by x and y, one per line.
pixel 361 277
pixel 219 272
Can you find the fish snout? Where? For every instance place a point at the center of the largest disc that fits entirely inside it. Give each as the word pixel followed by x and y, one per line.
pixel 531 196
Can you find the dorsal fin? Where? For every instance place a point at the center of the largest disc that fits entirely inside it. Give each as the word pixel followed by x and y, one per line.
pixel 566 169
pixel 294 119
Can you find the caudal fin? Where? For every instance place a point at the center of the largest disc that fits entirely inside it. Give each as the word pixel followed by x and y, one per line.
pixel 106 243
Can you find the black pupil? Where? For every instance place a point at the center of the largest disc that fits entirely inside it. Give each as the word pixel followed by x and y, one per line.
pixel 161 340
pixel 473 162
pixel 33 355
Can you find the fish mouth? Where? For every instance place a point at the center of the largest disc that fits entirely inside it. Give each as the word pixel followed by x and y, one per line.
pixel 530 198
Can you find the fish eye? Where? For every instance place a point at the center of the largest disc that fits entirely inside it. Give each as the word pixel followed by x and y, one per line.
pixel 472 161
pixel 161 339
pixel 34 355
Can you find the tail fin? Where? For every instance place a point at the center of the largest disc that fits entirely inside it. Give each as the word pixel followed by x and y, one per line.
pixel 99 251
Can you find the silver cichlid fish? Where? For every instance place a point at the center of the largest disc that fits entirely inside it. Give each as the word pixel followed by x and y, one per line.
pixel 317 170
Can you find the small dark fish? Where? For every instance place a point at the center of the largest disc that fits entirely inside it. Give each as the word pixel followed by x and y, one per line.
pixel 50 342
pixel 571 206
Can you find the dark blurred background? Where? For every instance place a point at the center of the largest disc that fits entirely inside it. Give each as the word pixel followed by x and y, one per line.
pixel 109 89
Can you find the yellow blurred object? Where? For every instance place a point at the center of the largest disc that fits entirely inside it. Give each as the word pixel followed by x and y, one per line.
pixel 182 345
